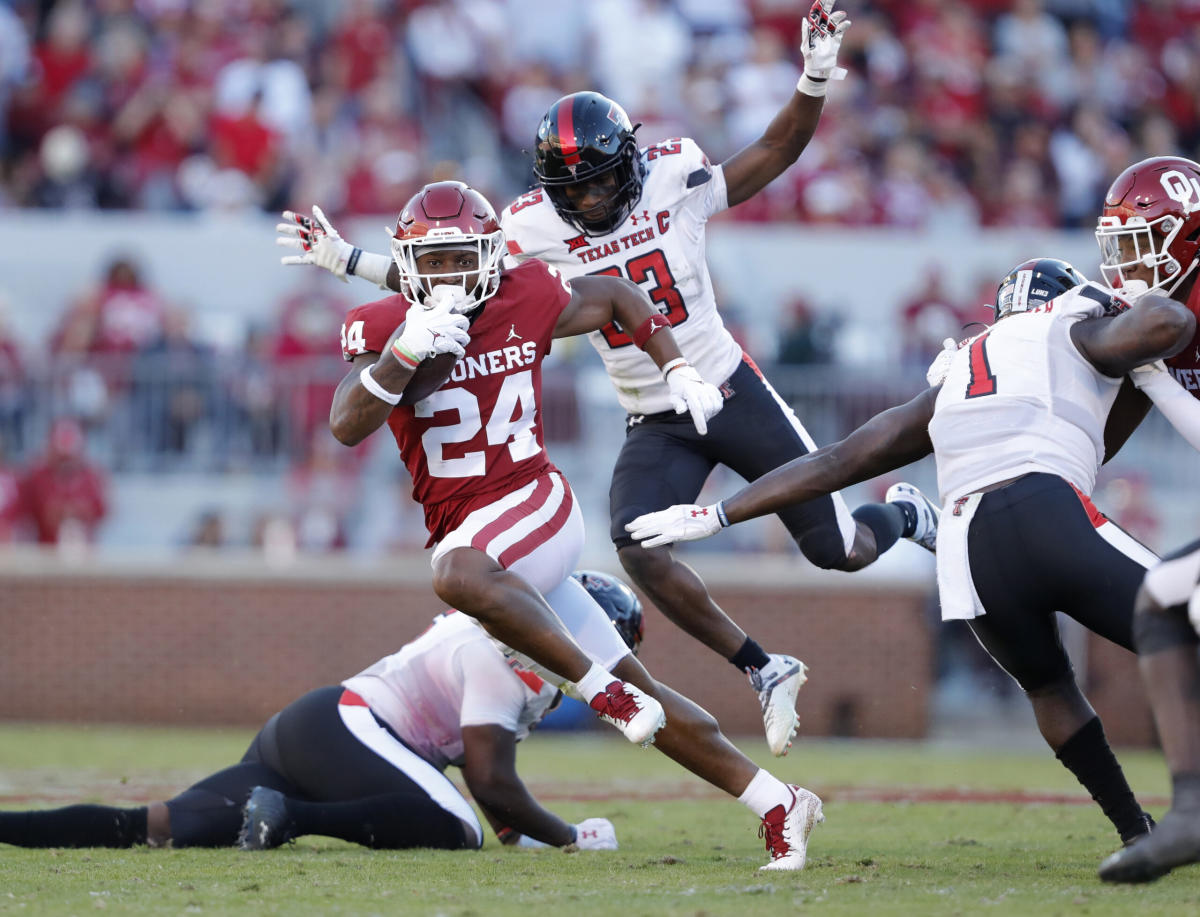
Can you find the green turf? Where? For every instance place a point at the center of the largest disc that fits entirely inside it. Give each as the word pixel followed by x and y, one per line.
pixel 684 853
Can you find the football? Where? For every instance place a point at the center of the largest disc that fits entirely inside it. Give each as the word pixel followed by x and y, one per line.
pixel 431 374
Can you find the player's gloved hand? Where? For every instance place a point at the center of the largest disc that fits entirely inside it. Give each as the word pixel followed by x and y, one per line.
pixel 437 328
pixel 453 296
pixel 319 241
pixel 821 35
pixel 1152 374
pixel 690 393
pixel 682 522
pixel 595 834
pixel 936 374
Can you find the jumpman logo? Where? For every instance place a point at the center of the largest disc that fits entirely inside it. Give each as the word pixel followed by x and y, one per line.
pixel 512 333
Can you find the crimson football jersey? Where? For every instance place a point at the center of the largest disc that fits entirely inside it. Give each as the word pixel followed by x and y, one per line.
pixel 1185 365
pixel 479 436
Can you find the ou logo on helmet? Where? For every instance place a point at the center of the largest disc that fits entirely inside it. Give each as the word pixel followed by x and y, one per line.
pixel 1183 189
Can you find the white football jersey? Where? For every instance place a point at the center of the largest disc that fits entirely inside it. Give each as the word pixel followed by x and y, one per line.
pixel 659 246
pixel 450 677
pixel 1020 398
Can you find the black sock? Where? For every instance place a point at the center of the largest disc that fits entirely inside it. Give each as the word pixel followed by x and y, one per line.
pixel 750 656
pixel 888 521
pixel 1088 756
pixel 74 826
pixel 389 822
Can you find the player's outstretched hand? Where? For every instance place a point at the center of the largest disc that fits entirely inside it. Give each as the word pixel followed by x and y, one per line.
pixel 691 393
pixel 317 239
pixel 821 35
pixel 595 834
pixel 936 374
pixel 682 522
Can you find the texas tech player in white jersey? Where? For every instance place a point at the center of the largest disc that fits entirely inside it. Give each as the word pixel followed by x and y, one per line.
pixel 1021 398
pixel 461 679
pixel 659 245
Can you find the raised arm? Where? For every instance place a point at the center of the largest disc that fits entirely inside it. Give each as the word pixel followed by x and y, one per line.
pixel 750 170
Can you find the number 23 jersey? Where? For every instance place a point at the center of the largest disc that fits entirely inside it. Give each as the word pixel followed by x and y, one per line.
pixel 660 247
pixel 479 436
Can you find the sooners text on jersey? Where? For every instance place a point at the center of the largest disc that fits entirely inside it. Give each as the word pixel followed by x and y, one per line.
pixel 480 435
pixel 659 246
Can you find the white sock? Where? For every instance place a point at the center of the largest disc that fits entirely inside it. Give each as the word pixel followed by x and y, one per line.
pixel 594 682
pixel 764 793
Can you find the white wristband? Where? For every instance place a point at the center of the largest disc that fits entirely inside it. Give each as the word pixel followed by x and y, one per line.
pixel 370 266
pixel 369 383
pixel 810 87
pixel 673 364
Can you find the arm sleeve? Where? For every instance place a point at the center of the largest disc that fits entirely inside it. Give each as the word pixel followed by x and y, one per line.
pixel 492 694
pixel 1175 402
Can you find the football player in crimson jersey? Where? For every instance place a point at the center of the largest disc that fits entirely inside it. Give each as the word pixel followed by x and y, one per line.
pixel 1149 235
pixel 502 518
pixel 1019 427
pixel 604 207
pixel 363 760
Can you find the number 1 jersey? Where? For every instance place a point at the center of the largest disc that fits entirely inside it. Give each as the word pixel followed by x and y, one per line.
pixel 660 247
pixel 479 436
pixel 1021 398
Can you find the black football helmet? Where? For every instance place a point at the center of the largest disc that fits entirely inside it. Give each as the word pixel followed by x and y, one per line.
pixel 1034 283
pixel 618 602
pixel 582 137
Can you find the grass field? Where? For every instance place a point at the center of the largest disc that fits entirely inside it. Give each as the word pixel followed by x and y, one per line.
pixel 910 829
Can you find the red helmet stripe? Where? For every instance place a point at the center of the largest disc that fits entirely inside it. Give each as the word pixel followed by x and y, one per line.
pixel 566 134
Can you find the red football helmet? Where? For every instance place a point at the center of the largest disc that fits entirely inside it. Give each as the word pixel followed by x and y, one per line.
pixel 1151 219
pixel 449 215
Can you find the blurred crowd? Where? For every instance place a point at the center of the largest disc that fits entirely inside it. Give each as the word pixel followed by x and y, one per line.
pixel 955 112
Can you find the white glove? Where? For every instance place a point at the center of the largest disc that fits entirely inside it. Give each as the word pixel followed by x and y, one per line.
pixel 454 296
pixel 682 522
pixel 436 328
pixel 821 35
pixel 936 374
pixel 1152 374
pixel 595 834
pixel 690 393
pixel 318 240
pixel 526 841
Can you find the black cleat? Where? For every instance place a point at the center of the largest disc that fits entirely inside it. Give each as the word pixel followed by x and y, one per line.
pixel 265 820
pixel 1175 841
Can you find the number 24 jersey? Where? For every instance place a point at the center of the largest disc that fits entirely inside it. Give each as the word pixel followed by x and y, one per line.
pixel 479 436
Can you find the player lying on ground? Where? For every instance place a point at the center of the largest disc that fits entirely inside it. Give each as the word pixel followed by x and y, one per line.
pixel 1018 431
pixel 503 518
pixel 363 760
pixel 602 206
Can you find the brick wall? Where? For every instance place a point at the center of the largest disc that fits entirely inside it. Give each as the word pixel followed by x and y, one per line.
pixel 220 641
pixel 212 641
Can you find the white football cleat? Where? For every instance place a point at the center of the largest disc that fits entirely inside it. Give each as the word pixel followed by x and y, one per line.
pixel 927 514
pixel 786 830
pixel 638 715
pixel 777 686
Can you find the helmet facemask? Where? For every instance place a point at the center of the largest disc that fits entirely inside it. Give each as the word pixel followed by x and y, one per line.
pixel 478 284
pixel 1136 244
pixel 604 217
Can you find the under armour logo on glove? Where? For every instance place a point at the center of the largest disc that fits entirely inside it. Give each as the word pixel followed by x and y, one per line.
pixel 699 512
